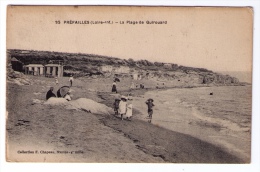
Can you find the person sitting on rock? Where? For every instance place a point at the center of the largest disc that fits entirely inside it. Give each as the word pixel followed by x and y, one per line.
pixel 50 93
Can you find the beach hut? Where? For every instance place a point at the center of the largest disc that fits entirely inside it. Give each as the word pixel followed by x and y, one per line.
pixel 122 69
pixel 167 65
pixel 135 76
pixel 34 69
pixel 16 65
pixel 54 70
pixel 106 68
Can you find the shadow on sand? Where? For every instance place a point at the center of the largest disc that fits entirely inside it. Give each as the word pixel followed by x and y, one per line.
pixel 171 146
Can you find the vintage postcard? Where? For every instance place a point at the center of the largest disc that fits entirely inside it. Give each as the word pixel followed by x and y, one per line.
pixel 129 84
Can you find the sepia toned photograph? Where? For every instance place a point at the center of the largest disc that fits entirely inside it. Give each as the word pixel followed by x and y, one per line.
pixel 129 84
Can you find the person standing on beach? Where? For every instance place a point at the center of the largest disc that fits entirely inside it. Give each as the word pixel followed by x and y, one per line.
pixel 122 106
pixel 116 106
pixel 150 105
pixel 129 108
pixel 114 87
pixel 71 80
pixel 50 93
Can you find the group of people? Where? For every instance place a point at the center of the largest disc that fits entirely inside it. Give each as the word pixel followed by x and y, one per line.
pixel 124 107
pixel 132 86
pixel 66 96
pixel 51 94
pixel 71 79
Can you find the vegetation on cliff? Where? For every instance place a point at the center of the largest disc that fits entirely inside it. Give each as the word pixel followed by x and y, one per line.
pixel 89 64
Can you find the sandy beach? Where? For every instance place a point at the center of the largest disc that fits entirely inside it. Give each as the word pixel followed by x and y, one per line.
pixel 180 131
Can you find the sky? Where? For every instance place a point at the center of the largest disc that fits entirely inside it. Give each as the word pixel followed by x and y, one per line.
pixel 219 39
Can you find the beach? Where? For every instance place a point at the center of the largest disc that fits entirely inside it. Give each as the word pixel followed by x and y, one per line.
pixel 189 125
pixel 223 119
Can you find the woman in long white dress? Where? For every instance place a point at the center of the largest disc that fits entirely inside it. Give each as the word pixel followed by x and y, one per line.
pixel 129 109
pixel 122 106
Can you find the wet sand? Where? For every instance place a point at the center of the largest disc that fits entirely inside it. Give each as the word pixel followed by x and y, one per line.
pixel 228 128
pixel 101 138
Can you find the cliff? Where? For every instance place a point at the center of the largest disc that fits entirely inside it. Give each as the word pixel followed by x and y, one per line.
pixel 94 65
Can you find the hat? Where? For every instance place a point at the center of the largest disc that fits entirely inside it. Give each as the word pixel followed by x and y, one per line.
pixel 124 97
pixel 150 100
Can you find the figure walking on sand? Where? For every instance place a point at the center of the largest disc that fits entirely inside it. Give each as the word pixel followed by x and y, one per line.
pixel 150 105
pixel 71 80
pixel 122 106
pixel 114 87
pixel 129 108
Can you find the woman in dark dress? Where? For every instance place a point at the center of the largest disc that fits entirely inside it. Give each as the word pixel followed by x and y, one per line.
pixel 50 93
pixel 114 87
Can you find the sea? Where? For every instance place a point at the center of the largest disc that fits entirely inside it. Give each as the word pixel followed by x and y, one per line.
pixel 220 115
pixel 243 76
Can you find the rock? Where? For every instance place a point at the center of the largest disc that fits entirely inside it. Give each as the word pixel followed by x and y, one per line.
pixel 208 78
pixel 89 106
pixel 37 101
pixel 56 101
pixel 37 93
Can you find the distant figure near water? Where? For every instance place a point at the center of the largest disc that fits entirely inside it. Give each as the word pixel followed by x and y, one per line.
pixel 150 105
pixel 50 93
pixel 114 87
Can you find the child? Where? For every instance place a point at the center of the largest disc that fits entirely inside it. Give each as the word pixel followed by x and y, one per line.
pixel 71 80
pixel 122 106
pixel 116 105
pixel 129 109
pixel 150 105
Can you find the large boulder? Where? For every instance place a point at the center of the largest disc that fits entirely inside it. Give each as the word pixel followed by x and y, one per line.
pixel 89 106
